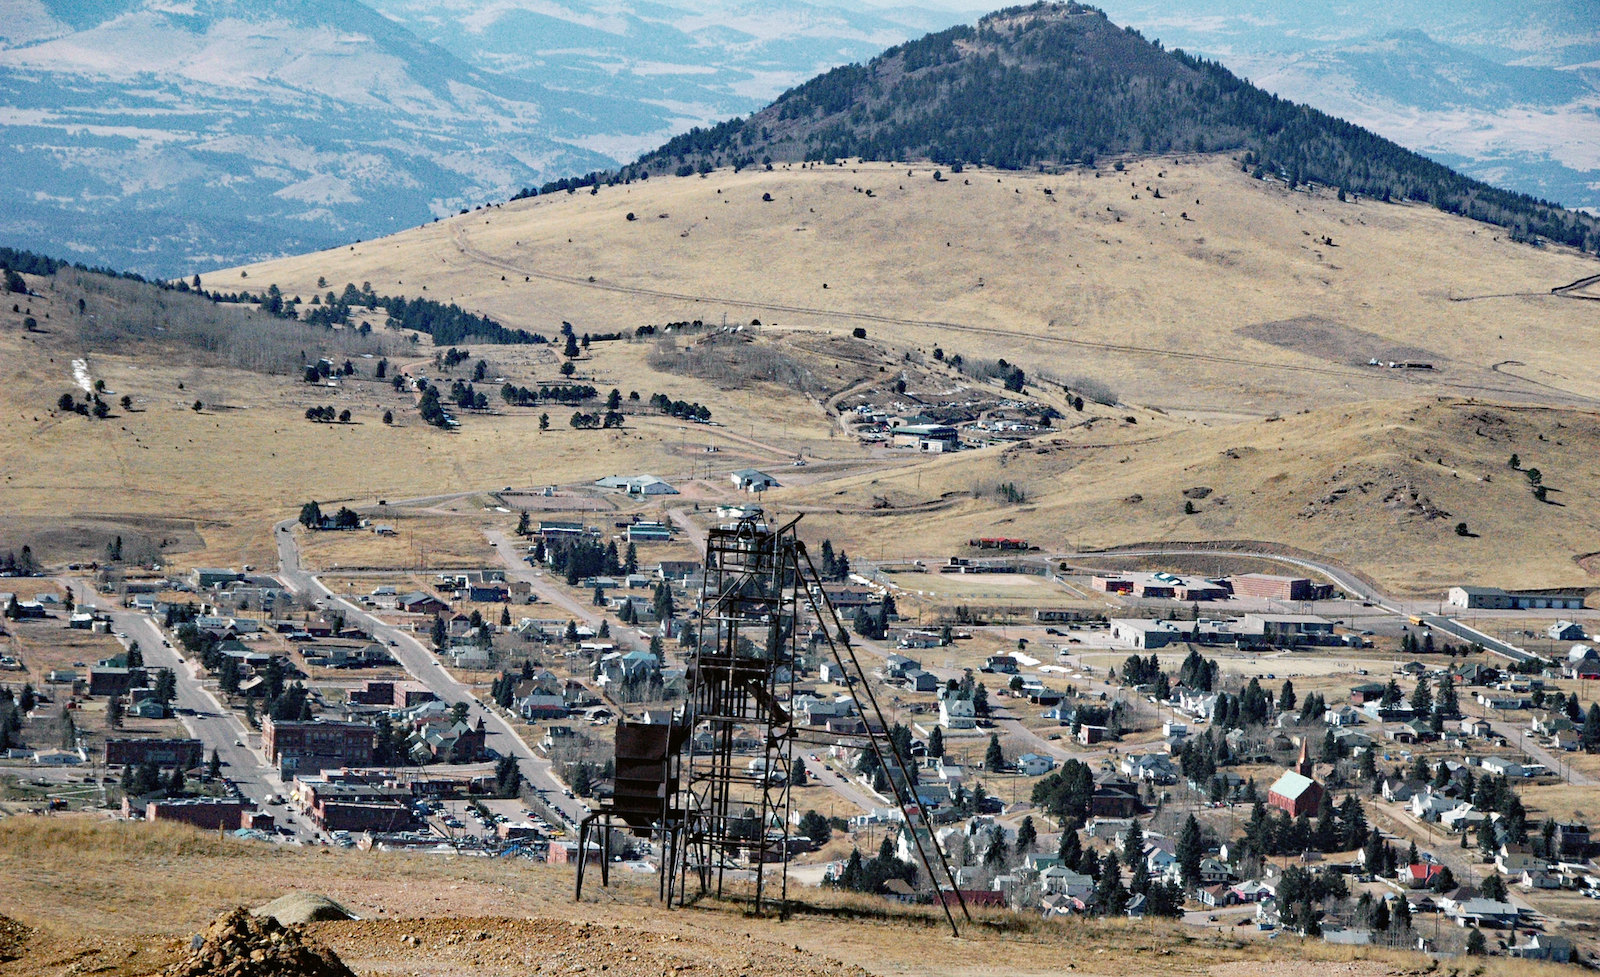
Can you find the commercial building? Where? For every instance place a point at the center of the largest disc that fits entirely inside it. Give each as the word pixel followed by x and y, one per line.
pixel 1493 598
pixel 1272 587
pixel 130 752
pixel 319 745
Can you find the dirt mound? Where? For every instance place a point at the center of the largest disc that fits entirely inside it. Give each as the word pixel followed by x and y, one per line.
pixel 241 945
pixel 303 907
pixel 504 947
pixel 13 936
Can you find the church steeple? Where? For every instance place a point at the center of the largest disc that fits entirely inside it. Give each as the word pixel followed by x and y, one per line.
pixel 1302 766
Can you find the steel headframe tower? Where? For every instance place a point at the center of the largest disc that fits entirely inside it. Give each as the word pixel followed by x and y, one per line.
pixel 758 590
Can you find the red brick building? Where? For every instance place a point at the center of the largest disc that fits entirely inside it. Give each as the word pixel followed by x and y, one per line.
pixel 208 813
pixel 130 752
pixel 299 746
pixel 1273 587
pixel 1295 794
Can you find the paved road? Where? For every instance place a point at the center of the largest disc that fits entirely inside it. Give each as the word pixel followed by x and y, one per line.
pixel 425 668
pixel 852 792
pixel 199 711
pixel 517 568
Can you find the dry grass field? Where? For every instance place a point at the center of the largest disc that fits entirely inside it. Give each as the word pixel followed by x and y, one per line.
pixel 429 915
pixel 1221 297
pixel 1234 335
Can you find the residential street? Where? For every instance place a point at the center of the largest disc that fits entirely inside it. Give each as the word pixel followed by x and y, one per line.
pixel 425 668
pixel 198 709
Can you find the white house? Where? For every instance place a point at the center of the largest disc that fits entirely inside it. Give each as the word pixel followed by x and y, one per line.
pixel 957 713
pixel 1060 881
pixel 750 480
pixel 1035 764
pixel 637 484
pixel 1504 766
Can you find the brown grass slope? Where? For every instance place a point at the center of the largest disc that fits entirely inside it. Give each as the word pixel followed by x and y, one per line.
pixel 68 881
pixel 1223 296
pixel 1379 487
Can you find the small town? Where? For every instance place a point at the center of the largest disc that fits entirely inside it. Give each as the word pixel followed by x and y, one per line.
pixel 558 488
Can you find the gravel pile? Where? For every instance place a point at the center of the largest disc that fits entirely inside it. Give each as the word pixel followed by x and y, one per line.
pixel 13 935
pixel 241 945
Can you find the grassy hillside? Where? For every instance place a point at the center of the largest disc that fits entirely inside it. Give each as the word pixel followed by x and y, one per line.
pixel 1199 321
pixel 1222 295
pixel 1381 487
pixel 1056 84
pixel 437 915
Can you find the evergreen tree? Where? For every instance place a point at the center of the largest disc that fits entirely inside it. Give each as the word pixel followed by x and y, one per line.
pixel 1190 850
pixel 1477 946
pixel 1133 846
pixel 1422 696
pixel 936 743
pixel 1110 897
pixel 994 759
pixel 1027 836
pixel 114 712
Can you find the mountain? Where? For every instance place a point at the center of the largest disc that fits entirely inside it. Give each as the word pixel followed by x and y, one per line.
pixel 1060 84
pixel 1505 94
pixel 693 62
pixel 166 136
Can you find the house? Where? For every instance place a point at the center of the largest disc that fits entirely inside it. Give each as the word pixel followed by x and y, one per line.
pixel 1113 797
pixel 1479 911
pixel 899 666
pixel 1473 726
pixel 1571 839
pixel 151 708
pixel 1531 879
pixel 1516 859
pixel 921 681
pixel 1035 764
pixel 1253 890
pixel 1061 881
pixel 1397 790
pixel 1565 631
pixel 1217 896
pixel 1503 766
pixel 418 602
pixel 1158 862
pixel 205 578
pixel 541 705
pixel 1420 875
pixel 957 713
pixel 642 485
pixel 750 480
pixel 1462 817
pixel 1429 805
pixel 1366 692
pixel 1155 768
pixel 1582 662
pixel 1543 946
pixel 1346 715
